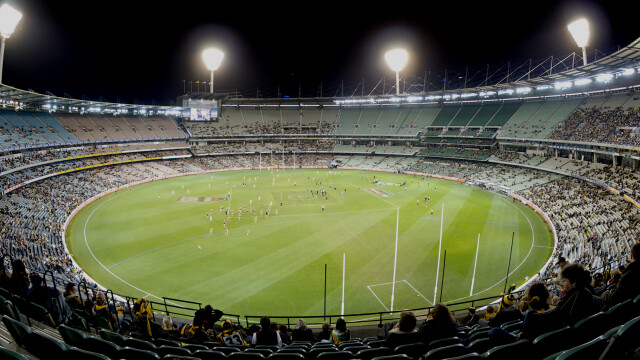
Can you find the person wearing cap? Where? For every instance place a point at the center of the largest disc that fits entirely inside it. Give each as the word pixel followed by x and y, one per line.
pixel 507 311
pixel 471 319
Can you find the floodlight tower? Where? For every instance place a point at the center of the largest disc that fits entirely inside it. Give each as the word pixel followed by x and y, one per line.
pixel 579 29
pixel 9 18
pixel 397 59
pixel 212 59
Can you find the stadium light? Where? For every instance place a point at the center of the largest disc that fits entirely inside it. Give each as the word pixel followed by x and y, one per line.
pixel 212 59
pixel 397 59
pixel 9 18
pixel 579 29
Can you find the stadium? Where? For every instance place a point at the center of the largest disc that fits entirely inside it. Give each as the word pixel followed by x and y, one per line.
pixel 358 207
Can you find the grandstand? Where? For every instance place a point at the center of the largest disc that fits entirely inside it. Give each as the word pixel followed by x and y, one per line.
pixel 574 155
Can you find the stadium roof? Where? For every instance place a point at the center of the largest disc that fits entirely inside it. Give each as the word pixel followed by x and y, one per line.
pixel 625 59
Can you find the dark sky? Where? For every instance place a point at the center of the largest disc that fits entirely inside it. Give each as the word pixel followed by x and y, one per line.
pixel 138 51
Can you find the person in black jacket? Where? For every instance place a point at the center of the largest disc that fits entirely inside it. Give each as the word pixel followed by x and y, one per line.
pixel 628 286
pixel 404 332
pixel 577 302
pixel 208 316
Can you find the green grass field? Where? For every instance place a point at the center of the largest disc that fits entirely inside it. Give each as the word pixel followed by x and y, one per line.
pixel 144 241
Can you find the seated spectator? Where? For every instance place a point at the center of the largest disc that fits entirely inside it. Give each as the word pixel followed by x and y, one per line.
pixel 195 331
pixel 325 333
pixel 284 334
pixel 471 319
pixel 577 302
pixel 49 298
pixel 71 296
pixel 19 281
pixel 170 329
pixel 144 318
pixel 209 317
pixel 628 287
pixel 489 314
pixel 302 332
pixel 507 311
pixel 340 333
pixel 266 336
pixel 231 334
pixel 101 308
pixel 404 332
pixel 440 324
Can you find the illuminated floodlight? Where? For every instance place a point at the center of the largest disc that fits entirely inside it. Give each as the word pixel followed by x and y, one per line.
pixel 212 59
pixel 397 59
pixel 543 87
pixel 628 72
pixel 523 90
pixel 579 29
pixel 561 85
pixel 9 18
pixel 581 82
pixel 505 92
pixel 604 78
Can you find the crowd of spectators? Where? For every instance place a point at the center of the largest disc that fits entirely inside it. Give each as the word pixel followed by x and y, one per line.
pixel 600 125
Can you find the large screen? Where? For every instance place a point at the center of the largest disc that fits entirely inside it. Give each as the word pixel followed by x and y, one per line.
pixel 203 114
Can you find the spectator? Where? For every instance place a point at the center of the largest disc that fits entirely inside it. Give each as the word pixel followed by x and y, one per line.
pixel 507 311
pixel 440 324
pixel 19 282
pixel 209 316
pixel 49 298
pixel 404 332
pixel 284 334
pixel 302 332
pixel 231 335
pixel 195 331
pixel 340 333
pixel 577 302
pixel 471 319
pixel 71 296
pixel 170 329
pixel 101 308
pixel 628 287
pixel 325 333
pixel 266 336
pixel 144 318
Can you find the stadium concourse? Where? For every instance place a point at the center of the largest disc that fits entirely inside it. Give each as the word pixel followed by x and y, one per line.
pixel 542 151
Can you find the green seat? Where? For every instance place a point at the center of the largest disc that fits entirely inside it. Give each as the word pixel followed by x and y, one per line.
pixel 589 350
pixel 264 351
pixel 554 341
pixel 101 346
pixel 209 355
pixel 80 354
pixel 40 314
pixel 413 351
pixel 71 336
pixel 113 337
pixel 7 308
pixel 164 350
pixel 624 342
pixel 335 355
pixel 245 356
pixel 129 353
pixel 591 327
pixel 480 346
pixel 285 356
pixel 19 331
pixel 6 354
pixel 139 344
pixel 368 354
pixel 443 342
pixel 446 352
pixel 620 313
pixel 45 347
pixel 518 350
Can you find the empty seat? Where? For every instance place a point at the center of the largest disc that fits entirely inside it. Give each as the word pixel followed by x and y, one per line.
pixel 446 352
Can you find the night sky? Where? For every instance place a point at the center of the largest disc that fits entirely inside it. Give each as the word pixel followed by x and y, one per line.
pixel 148 52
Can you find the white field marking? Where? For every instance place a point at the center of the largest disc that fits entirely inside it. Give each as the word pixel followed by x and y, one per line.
pixel 514 270
pixel 542 246
pixel 376 296
pixel 344 259
pixel 395 259
pixel 475 265
pixel 84 233
pixel 435 289
pixel 387 283
pixel 419 293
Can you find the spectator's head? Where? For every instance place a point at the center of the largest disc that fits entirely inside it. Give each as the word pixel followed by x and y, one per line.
pixel 341 325
pixel 36 280
pixel 538 295
pixel 302 325
pixel 441 314
pixel 167 322
pixel 265 322
pixel 227 325
pixel 562 262
pixel 507 301
pixel 490 309
pixel 101 299
pixel 282 329
pixel 70 288
pixel 472 310
pixel 407 321
pixel 326 326
pixel 572 276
